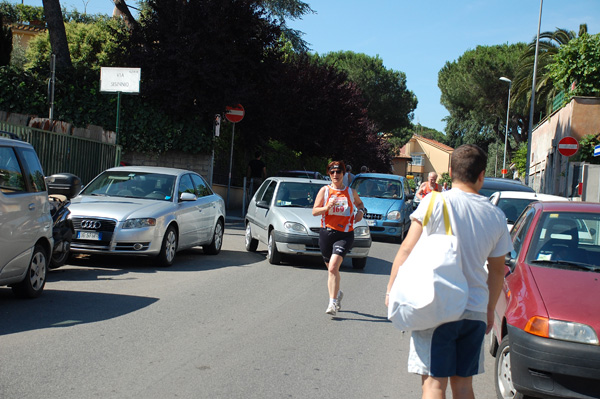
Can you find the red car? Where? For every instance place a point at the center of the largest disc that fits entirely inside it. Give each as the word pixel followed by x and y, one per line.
pixel 547 321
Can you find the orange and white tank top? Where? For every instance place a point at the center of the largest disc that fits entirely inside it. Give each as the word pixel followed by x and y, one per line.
pixel 341 216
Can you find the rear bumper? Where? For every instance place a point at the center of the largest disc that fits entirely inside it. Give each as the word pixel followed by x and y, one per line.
pixel 553 368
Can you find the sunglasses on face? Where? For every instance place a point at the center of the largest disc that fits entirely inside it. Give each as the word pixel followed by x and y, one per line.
pixel 332 172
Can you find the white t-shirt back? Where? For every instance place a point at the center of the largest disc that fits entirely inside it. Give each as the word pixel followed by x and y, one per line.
pixel 480 228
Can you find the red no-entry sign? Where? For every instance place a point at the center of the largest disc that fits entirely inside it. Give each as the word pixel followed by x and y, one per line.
pixel 234 113
pixel 568 146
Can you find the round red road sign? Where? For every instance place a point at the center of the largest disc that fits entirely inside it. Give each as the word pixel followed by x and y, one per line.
pixel 234 113
pixel 568 146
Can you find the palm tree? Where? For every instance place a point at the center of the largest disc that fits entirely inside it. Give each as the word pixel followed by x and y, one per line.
pixel 550 42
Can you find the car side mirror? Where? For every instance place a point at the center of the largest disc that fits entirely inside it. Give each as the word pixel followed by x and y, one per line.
pixel 510 262
pixel 410 196
pixel 187 197
pixel 262 204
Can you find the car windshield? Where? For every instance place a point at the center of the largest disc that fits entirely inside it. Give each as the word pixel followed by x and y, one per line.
pixel 295 194
pixel 567 240
pixel 378 187
pixel 512 207
pixel 132 185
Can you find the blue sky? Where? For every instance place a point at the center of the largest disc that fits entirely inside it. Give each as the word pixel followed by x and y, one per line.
pixel 419 37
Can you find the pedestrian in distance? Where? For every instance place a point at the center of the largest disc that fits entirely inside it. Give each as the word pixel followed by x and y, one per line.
pixel 348 176
pixel 256 172
pixel 453 351
pixel 364 169
pixel 428 186
pixel 445 186
pixel 339 207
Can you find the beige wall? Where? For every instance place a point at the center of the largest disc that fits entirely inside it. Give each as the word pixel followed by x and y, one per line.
pixel 549 170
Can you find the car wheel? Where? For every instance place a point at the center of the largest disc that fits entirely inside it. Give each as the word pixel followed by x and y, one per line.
pixel 169 247
pixel 359 263
pixel 217 242
pixel 493 343
pixel 251 243
pixel 273 254
pixel 504 382
pixel 35 279
pixel 59 258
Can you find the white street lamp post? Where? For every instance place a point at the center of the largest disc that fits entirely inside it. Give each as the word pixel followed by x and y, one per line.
pixel 504 171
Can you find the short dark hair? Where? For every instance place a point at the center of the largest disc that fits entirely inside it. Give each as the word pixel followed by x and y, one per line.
pixel 467 163
pixel 257 154
pixel 336 164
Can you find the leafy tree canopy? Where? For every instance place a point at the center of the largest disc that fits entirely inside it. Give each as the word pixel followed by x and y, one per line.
pixel 390 105
pixel 476 98
pixel 576 67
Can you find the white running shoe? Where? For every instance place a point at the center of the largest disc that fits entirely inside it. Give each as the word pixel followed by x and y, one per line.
pixel 339 300
pixel 331 309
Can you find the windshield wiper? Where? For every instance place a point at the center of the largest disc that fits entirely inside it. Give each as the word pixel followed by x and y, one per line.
pixel 578 265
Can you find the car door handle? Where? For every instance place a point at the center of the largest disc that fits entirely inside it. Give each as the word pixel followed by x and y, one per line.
pixel 32 207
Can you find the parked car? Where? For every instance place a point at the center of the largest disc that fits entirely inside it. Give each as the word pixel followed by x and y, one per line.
pixel 280 216
pixel 388 199
pixel 147 211
pixel 25 221
pixel 512 203
pixel 545 335
pixel 493 184
pixel 308 174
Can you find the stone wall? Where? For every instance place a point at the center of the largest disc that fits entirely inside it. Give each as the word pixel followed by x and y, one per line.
pixel 200 163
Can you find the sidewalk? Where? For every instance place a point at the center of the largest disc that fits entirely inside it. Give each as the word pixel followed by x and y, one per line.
pixel 234 215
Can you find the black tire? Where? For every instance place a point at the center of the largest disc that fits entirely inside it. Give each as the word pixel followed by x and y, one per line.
pixel 35 279
pixel 359 263
pixel 58 259
pixel 273 255
pixel 504 383
pixel 217 241
pixel 251 243
pixel 166 257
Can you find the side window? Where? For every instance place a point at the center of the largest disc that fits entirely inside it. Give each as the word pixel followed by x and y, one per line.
pixel 186 185
pixel 33 169
pixel 11 176
pixel 269 192
pixel 406 189
pixel 520 231
pixel 261 190
pixel 201 186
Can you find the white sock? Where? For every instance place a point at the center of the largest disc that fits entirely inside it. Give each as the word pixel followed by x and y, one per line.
pixel 332 301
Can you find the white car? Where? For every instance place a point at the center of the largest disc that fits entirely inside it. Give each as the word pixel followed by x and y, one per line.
pixel 512 203
pixel 280 216
pixel 147 211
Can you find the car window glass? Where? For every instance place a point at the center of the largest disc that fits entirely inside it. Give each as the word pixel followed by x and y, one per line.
pixel 11 177
pixel 378 187
pixel 294 194
pixel 519 231
pixel 512 207
pixel 186 185
pixel 33 169
pixel 269 192
pixel 201 186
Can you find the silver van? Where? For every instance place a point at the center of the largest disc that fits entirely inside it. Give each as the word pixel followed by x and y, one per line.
pixel 25 221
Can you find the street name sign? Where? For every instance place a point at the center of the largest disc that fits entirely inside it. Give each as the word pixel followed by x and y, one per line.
pixel 597 150
pixel 124 80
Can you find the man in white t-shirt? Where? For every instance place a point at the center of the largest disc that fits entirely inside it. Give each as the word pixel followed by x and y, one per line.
pixel 454 351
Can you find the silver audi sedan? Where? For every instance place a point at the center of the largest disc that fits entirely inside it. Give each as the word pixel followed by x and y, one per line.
pixel 280 216
pixel 147 211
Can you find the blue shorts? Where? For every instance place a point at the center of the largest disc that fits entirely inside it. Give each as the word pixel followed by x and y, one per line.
pixel 452 349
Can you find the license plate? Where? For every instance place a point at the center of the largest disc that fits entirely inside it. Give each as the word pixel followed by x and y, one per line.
pixel 88 235
pixel 370 223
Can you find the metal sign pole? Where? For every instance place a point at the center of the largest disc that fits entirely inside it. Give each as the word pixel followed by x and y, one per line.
pixel 230 163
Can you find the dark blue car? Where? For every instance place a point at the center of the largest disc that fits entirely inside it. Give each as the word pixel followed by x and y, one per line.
pixel 388 200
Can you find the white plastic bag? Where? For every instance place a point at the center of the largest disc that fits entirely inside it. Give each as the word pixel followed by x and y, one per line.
pixel 430 288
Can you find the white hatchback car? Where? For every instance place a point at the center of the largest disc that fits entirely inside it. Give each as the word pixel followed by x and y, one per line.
pixel 25 221
pixel 280 216
pixel 512 203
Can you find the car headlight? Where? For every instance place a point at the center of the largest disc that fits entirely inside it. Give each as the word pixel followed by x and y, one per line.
pixel 563 330
pixel 295 227
pixel 361 231
pixel 139 223
pixel 393 215
pixel 569 331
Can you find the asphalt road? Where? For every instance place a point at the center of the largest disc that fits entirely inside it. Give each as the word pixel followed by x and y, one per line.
pixel 224 326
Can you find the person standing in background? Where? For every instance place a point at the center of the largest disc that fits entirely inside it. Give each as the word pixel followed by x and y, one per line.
pixel 348 176
pixel 256 173
pixel 428 186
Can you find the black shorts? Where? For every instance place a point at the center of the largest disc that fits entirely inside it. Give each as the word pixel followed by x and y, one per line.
pixel 335 242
